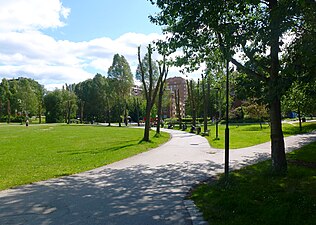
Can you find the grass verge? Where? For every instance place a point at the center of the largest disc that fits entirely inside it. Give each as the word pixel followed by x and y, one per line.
pixel 40 152
pixel 254 195
pixel 242 136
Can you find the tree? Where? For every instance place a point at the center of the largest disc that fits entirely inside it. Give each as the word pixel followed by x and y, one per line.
pixel 249 27
pixel 149 87
pixel 163 71
pixel 120 71
pixel 53 102
pixel 69 102
pixel 7 97
pixel 92 95
pixel 301 98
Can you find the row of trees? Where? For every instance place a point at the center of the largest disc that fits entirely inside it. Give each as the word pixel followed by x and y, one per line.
pixel 255 30
pixel 97 99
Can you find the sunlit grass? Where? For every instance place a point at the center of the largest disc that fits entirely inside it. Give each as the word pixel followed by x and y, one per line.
pixel 254 195
pixel 40 152
pixel 248 135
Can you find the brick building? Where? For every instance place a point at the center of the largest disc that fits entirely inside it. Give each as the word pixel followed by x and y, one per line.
pixel 173 84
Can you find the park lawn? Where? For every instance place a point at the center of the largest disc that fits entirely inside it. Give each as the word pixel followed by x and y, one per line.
pixel 254 195
pixel 242 136
pixel 40 152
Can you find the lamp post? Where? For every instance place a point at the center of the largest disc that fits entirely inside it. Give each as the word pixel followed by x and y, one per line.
pixel 218 113
pixel 227 118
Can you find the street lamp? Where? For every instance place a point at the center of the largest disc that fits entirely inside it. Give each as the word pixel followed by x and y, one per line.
pixel 218 112
pixel 227 117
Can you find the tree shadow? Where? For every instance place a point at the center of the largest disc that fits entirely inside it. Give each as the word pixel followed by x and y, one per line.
pixel 134 195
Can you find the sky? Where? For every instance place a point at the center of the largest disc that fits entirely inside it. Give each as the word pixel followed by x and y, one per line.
pixel 68 41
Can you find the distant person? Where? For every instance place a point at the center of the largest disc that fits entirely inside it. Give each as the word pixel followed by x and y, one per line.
pixel 27 123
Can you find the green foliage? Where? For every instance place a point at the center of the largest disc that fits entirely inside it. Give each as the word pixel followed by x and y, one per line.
pixel 54 107
pixel 301 98
pixel 253 29
pixel 122 80
pixel 254 195
pixel 39 152
pixel 93 95
pixel 22 97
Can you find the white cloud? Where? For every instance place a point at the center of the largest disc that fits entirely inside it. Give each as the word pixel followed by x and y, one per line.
pixel 26 51
pixel 31 14
pixel 41 57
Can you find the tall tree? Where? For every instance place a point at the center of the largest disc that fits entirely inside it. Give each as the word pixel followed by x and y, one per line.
pixel 120 71
pixel 253 28
pixel 69 102
pixel 149 88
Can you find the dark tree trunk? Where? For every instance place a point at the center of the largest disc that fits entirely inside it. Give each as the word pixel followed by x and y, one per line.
pixel 147 123
pixel 150 91
pixel 160 95
pixel 137 111
pixel 205 104
pixel 192 98
pixel 277 141
pixel 198 100
pixel 178 109
pixel 125 115
pixel 279 163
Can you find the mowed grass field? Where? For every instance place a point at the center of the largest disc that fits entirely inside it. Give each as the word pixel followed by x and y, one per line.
pixel 242 136
pixel 40 152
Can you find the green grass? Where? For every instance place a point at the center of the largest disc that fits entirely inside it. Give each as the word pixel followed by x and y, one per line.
pixel 254 195
pixel 40 152
pixel 242 136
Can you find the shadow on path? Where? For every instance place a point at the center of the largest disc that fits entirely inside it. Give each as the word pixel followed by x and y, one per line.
pixel 135 195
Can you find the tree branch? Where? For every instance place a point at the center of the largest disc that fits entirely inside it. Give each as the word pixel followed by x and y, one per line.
pixel 142 73
pixel 247 70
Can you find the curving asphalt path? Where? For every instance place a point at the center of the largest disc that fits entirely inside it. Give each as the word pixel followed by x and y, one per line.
pixel 146 189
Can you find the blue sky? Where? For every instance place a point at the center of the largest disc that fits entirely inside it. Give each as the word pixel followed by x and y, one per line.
pixel 111 18
pixel 68 41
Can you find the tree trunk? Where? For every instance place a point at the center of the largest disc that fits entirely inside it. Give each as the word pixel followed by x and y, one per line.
pixel 178 109
pixel 39 114
pixel 192 98
pixel 125 114
pixel 277 141
pixel 137 111
pixel 159 111
pixel 147 123
pixel 299 117
pixel 69 112
pixel 81 111
pixel 9 111
pixel 279 163
pixel 205 104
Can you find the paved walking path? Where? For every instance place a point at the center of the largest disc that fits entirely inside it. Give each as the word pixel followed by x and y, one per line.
pixel 146 189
